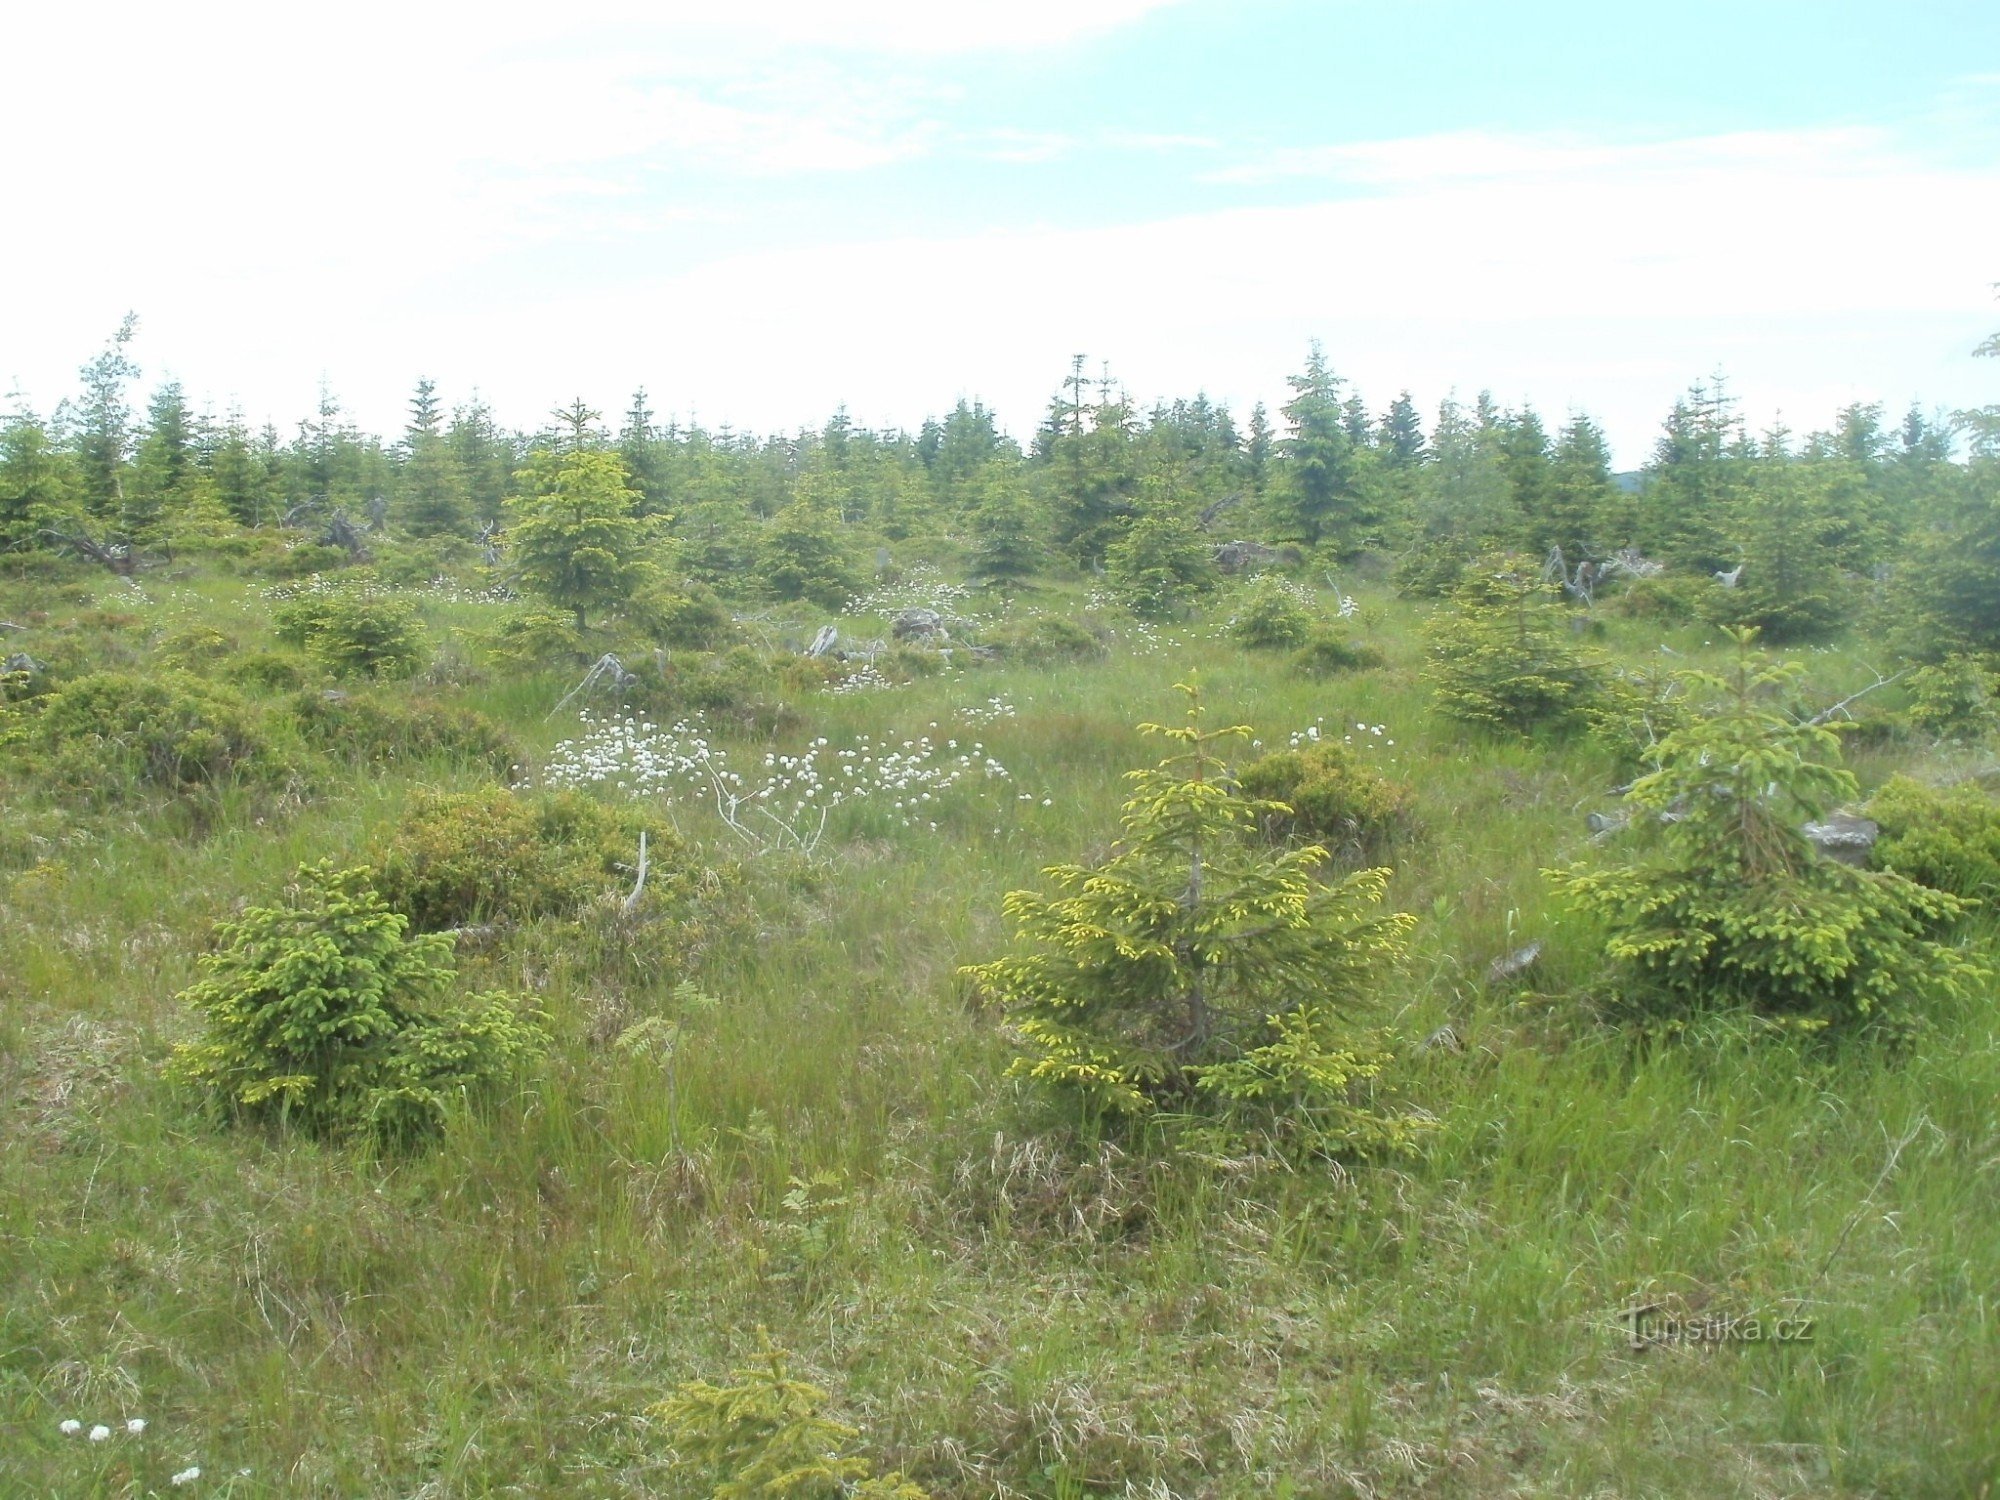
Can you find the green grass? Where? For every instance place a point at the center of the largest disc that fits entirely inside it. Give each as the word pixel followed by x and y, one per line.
pixel 1006 1307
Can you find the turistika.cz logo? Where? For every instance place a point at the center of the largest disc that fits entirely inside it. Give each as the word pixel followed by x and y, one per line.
pixel 1653 1324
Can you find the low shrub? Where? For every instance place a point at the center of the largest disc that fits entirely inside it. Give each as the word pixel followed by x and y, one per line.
pixel 1954 699
pixel 690 616
pixel 1040 639
pixel 302 561
pixel 368 730
pixel 1431 570
pixel 1947 839
pixel 741 683
pixel 767 1434
pixel 323 1013
pixel 1273 617
pixel 1665 598
pixel 108 733
pixel 537 638
pixel 1503 657
pixel 1334 799
pixel 1722 904
pixel 196 646
pixel 418 561
pixel 267 671
pixel 1329 650
pixel 460 857
pixel 355 635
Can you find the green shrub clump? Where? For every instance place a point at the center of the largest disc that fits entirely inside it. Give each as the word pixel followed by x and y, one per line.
pixel 367 730
pixel 1726 905
pixel 1330 797
pixel 461 857
pixel 108 733
pixel 690 617
pixel 1329 650
pixel 1946 839
pixel 1504 658
pixel 1199 972
pixel 1042 639
pixel 1955 699
pixel 1273 616
pixel 353 633
pixel 322 1013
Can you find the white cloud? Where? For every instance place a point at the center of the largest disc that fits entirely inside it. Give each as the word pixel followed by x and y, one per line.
pixel 478 195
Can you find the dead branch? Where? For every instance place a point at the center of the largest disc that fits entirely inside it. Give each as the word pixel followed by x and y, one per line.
pixel 1841 707
pixel 607 668
pixel 638 889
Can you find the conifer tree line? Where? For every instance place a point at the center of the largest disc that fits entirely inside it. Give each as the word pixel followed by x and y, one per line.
pixel 1101 484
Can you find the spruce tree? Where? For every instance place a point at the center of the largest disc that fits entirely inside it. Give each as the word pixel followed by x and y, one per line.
pixel 101 425
pixel 39 483
pixel 576 538
pixel 1320 494
pixel 1578 515
pixel 1197 969
pixel 431 487
pixel 1723 903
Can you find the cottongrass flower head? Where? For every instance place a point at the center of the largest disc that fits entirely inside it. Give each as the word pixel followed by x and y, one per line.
pixel 69 1426
pixel 99 1433
pixel 135 1425
pixel 186 1476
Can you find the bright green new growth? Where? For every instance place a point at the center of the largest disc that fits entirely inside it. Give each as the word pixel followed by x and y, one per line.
pixel 1727 903
pixel 323 1013
pixel 1198 970
pixel 1948 839
pixel 1503 658
pixel 1332 796
pixel 767 1436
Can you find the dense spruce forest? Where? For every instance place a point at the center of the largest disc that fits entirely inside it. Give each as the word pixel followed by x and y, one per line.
pixel 1345 950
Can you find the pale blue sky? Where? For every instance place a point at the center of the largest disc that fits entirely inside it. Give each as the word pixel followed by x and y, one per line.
pixel 764 209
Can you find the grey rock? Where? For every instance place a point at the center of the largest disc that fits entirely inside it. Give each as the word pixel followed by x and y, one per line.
pixel 1844 837
pixel 920 625
pixel 1514 964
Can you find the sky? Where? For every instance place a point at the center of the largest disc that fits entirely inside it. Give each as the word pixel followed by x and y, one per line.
pixel 766 209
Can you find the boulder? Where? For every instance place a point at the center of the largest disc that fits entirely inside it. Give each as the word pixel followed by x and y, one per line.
pixel 1843 836
pixel 923 627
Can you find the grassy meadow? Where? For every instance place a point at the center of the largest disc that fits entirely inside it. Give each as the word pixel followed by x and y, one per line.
pixel 816 1137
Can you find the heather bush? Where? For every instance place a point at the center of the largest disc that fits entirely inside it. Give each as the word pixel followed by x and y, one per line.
pixel 1329 796
pixel 1946 838
pixel 461 857
pixel 107 734
pixel 366 729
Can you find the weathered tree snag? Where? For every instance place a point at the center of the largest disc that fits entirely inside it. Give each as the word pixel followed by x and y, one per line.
pixel 120 557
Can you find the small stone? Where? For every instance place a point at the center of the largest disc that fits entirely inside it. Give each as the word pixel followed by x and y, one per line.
pixel 1514 964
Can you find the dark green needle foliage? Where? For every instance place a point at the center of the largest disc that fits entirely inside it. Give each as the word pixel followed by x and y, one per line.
pixel 1724 904
pixel 1504 657
pixel 322 1012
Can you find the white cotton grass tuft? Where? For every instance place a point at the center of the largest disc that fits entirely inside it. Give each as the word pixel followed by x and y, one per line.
pixel 69 1426
pixel 99 1433
pixel 186 1476
pixel 678 763
pixel 135 1425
